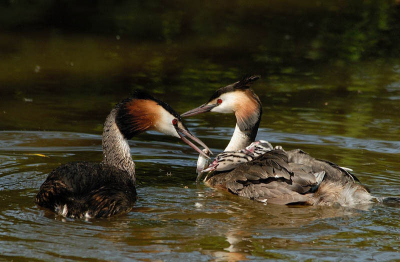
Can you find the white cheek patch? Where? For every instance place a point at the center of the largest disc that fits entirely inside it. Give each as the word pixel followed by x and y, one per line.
pixel 228 103
pixel 164 124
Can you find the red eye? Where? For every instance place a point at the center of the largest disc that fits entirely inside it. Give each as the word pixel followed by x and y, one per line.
pixel 219 101
pixel 175 121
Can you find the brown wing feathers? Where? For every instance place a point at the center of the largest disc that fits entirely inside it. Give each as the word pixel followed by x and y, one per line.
pixel 268 178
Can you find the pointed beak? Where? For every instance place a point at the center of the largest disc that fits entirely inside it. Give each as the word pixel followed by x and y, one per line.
pixel 201 109
pixel 183 132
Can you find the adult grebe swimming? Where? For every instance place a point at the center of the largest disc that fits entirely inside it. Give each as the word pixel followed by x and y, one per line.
pixel 93 190
pixel 275 175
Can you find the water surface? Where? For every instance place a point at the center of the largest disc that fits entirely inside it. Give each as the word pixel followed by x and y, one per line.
pixel 330 85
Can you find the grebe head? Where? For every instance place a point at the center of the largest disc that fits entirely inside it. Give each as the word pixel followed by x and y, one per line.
pixel 142 112
pixel 236 98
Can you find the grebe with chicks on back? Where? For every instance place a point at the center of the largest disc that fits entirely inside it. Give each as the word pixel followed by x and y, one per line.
pixel 258 171
pixel 94 190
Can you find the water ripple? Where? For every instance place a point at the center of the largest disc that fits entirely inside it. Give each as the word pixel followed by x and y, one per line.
pixel 380 146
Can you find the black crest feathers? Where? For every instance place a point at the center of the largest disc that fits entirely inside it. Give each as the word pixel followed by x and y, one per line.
pixel 243 84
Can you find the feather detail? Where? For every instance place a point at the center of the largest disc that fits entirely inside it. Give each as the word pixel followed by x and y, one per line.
pixel 136 116
pixel 242 85
pixel 248 110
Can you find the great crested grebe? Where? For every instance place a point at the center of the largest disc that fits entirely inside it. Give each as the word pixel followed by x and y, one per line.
pixel 273 175
pixel 93 190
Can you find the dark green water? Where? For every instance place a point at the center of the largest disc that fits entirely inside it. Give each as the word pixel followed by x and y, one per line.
pixel 330 85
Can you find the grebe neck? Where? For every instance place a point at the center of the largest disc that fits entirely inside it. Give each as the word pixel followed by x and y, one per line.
pixel 241 139
pixel 116 151
pixel 248 117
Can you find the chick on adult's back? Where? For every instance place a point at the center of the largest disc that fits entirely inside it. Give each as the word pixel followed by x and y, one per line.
pixel 274 175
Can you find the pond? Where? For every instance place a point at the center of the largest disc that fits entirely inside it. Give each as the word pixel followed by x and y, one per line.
pixel 330 85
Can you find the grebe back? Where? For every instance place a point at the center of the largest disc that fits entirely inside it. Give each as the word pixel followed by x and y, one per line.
pixel 276 176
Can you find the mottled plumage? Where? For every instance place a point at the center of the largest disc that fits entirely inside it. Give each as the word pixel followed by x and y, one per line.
pixel 229 160
pixel 87 190
pixel 275 178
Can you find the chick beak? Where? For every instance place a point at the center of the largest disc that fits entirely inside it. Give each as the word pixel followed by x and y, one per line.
pixel 198 110
pixel 183 132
